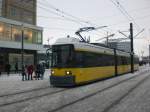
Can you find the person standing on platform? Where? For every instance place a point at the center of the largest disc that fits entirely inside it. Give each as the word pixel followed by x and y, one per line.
pixel 0 72
pixel 16 68
pixel 24 73
pixel 7 68
pixel 38 71
pixel 42 70
pixel 30 71
pixel 34 72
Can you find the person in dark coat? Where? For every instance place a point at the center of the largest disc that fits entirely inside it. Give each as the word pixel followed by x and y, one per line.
pixel 38 71
pixel 16 68
pixel 24 73
pixel 7 68
pixel 0 72
pixel 30 72
pixel 42 71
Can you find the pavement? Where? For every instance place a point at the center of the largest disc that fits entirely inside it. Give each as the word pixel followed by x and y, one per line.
pixel 126 93
pixel 13 83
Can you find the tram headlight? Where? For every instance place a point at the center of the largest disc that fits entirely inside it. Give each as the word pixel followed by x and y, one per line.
pixel 52 72
pixel 68 72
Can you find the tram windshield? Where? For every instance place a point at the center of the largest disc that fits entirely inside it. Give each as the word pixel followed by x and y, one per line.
pixel 62 55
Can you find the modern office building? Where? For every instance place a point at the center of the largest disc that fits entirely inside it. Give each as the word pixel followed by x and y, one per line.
pixel 18 17
pixel 19 10
pixel 123 45
pixel 126 46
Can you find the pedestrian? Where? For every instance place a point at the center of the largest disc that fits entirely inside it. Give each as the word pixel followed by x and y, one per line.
pixel 42 70
pixel 32 69
pixel 0 72
pixel 16 68
pixel 24 73
pixel 37 71
pixel 30 72
pixel 7 68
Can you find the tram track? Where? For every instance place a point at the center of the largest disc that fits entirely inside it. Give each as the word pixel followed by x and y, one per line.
pixel 102 90
pixel 33 93
pixel 58 90
pixel 21 92
pixel 108 108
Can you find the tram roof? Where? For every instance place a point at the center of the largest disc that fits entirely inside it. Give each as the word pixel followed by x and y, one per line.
pixel 82 46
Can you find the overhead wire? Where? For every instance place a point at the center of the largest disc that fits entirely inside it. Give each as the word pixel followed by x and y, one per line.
pixel 86 22
pixel 123 22
pixel 67 14
pixel 59 15
pixel 114 15
pixel 59 28
pixel 128 14
pixel 63 16
pixel 124 12
pixel 79 22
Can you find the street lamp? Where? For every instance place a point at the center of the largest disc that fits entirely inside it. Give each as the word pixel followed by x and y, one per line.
pixel 22 48
pixel 142 52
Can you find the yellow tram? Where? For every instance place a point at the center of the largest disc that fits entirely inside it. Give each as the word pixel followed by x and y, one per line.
pixel 75 62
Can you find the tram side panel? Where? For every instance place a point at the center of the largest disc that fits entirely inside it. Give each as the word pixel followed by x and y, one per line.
pixel 136 63
pixel 123 64
pixel 94 66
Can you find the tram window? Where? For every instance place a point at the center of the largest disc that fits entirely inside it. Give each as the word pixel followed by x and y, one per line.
pixel 79 59
pixel 129 60
pixel 61 56
pixel 111 60
pixel 136 60
pixel 90 59
pixel 123 61
pixel 119 60
pixel 126 60
pixel 94 59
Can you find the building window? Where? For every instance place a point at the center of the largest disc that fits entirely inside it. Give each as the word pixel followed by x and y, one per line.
pixel 27 17
pixel 0 7
pixel 13 11
pixel 10 32
pixel 35 35
pixel 16 33
pixel 7 33
pixel 28 35
pixel 39 37
pixel 1 30
pixel 16 58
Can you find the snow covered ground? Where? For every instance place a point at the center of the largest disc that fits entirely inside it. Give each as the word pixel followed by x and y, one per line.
pixel 116 94
pixel 14 83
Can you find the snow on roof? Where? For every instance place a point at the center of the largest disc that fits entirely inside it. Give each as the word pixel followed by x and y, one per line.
pixel 67 40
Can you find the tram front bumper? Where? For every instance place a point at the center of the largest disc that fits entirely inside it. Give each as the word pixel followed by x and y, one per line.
pixel 62 80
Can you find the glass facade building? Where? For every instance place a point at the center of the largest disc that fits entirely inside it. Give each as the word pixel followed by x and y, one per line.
pixel 18 17
pixel 10 32
pixel 19 10
pixel 10 43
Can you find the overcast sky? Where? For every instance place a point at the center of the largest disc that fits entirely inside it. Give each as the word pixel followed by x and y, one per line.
pixel 56 24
